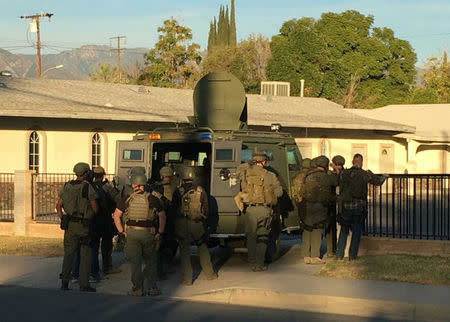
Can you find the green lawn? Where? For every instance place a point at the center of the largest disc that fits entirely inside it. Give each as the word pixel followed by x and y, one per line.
pixel 402 268
pixel 43 247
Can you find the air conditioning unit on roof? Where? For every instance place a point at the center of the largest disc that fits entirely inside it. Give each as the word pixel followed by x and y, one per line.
pixel 275 88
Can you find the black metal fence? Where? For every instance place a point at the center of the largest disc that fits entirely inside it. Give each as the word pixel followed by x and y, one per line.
pixel 46 187
pixel 415 206
pixel 6 197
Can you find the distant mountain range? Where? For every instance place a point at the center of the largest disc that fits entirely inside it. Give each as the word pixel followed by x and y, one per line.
pixel 78 63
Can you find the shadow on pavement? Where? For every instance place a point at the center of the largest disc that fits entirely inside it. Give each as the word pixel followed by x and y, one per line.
pixel 53 305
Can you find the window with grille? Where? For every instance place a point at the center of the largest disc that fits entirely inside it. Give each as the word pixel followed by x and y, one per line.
pixel 33 151
pixel 96 150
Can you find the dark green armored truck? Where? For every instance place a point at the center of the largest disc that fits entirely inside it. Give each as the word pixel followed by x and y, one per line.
pixel 215 142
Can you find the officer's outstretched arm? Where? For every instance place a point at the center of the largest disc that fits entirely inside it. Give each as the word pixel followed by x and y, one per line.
pixel 116 216
pixel 59 207
pixel 162 222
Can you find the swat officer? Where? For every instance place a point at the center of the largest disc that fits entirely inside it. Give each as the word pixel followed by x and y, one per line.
pixel 337 164
pixel 353 199
pixel 78 199
pixel 190 203
pixel 104 229
pixel 164 190
pixel 316 194
pixel 144 220
pixel 260 190
pixel 298 180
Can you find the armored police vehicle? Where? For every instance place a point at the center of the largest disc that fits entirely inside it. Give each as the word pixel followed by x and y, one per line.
pixel 215 142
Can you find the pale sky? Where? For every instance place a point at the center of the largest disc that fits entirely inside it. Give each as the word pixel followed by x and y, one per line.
pixel 426 24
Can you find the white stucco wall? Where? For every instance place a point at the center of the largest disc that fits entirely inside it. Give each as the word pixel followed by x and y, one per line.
pixel 59 150
pixel 370 148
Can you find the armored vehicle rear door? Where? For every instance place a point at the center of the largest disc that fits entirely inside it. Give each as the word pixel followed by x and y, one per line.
pixel 226 157
pixel 131 154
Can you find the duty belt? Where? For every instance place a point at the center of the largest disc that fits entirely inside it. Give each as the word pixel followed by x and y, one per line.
pixel 152 230
pixel 257 204
pixel 140 223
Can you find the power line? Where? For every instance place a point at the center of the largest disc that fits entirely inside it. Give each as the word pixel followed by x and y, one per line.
pixel 35 18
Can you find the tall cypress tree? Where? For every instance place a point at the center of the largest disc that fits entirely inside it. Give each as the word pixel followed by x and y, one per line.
pixel 232 31
pixel 227 28
pixel 211 37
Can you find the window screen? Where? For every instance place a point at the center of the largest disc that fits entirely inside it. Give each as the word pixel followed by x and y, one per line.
pixel 132 155
pixel 224 154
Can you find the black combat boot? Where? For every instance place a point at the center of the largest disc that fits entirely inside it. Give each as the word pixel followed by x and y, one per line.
pixel 88 289
pixel 65 286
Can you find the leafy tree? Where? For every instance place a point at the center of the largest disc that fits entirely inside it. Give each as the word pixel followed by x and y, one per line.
pixel 436 81
pixel 343 58
pixel 103 73
pixel 173 60
pixel 247 61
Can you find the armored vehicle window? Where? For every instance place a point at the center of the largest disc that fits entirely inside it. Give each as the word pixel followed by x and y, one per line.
pixel 269 154
pixel 246 155
pixel 132 155
pixel 224 154
pixel 173 156
pixel 292 161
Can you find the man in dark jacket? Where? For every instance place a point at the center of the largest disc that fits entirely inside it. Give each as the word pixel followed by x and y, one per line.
pixel 353 199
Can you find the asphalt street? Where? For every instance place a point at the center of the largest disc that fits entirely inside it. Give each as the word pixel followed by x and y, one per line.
pixel 30 304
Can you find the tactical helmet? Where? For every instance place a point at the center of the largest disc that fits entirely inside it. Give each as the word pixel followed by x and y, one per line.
pixel 166 172
pixel 322 161
pixel 188 173
pixel 338 160
pixel 306 163
pixel 99 170
pixel 259 157
pixel 139 179
pixel 81 168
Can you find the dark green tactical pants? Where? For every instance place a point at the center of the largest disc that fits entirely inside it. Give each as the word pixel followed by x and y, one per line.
pixel 188 231
pixel 257 231
pixel 311 241
pixel 140 249
pixel 76 235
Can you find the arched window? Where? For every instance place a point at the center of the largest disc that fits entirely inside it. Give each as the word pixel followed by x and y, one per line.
pixel 325 147
pixel 97 149
pixel 33 151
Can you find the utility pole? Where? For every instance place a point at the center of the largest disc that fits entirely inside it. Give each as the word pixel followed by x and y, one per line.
pixel 119 74
pixel 38 38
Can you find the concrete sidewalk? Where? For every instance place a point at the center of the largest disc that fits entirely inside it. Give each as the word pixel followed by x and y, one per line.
pixel 287 284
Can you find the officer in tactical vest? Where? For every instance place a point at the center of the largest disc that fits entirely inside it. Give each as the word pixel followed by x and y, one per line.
pixel 337 164
pixel 104 229
pixel 298 180
pixel 164 190
pixel 78 199
pixel 190 203
pixel 260 190
pixel 353 199
pixel 317 196
pixel 144 219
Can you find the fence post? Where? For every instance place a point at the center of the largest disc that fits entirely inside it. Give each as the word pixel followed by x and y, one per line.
pixel 22 201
